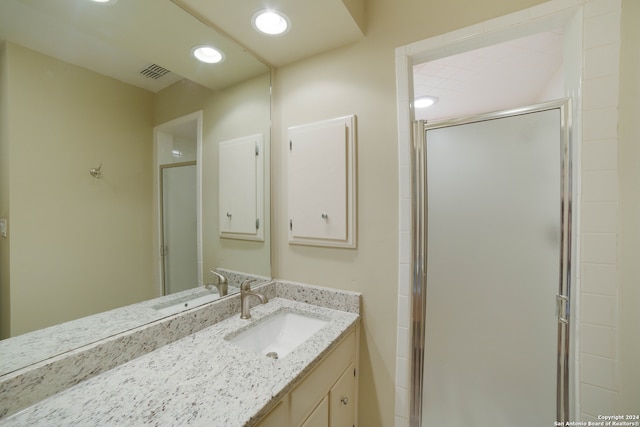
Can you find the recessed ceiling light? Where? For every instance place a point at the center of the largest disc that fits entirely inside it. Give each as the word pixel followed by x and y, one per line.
pixel 424 101
pixel 207 54
pixel 105 1
pixel 270 22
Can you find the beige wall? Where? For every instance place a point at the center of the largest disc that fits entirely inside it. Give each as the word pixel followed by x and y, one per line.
pixel 629 243
pixel 360 79
pixel 79 245
pixel 235 112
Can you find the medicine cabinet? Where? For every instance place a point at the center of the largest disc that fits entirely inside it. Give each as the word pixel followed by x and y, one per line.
pixel 241 188
pixel 322 183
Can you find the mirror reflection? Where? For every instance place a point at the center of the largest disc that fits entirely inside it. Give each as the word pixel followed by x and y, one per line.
pixel 110 127
pixel 179 227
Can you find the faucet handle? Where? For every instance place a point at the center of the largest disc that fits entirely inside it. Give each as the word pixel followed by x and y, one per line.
pixel 218 276
pixel 246 285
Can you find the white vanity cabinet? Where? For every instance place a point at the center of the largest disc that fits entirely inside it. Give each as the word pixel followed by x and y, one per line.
pixel 320 415
pixel 342 399
pixel 327 396
pixel 278 417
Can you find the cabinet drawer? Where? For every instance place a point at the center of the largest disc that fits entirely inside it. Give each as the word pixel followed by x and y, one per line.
pixel 318 383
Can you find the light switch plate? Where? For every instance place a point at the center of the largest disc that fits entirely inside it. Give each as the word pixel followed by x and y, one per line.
pixel 3 228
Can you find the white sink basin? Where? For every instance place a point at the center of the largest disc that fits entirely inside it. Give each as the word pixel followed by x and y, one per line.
pixel 187 303
pixel 278 334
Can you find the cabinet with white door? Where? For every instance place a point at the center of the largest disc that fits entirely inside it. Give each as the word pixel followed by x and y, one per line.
pixel 321 174
pixel 241 188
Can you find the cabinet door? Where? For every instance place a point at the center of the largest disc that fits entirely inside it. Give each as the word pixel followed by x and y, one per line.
pixel 320 416
pixel 320 381
pixel 321 183
pixel 318 183
pixel 277 417
pixel 342 400
pixel 241 188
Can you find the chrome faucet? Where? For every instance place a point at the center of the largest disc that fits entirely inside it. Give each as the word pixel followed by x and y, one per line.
pixel 245 292
pixel 222 286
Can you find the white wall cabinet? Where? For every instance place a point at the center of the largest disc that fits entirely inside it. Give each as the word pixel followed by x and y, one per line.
pixel 327 396
pixel 322 183
pixel 241 188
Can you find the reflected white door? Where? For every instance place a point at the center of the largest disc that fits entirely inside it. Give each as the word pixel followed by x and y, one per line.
pixel 179 218
pixel 493 266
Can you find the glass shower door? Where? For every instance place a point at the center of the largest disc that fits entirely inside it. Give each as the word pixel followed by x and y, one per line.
pixel 179 227
pixel 493 263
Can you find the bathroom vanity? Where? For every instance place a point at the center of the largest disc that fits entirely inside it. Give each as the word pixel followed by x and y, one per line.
pixel 327 396
pixel 207 378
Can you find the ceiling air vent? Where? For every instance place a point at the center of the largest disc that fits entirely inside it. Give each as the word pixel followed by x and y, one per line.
pixel 154 71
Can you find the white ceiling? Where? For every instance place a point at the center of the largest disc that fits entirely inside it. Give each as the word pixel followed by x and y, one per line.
pixel 316 26
pixel 507 75
pixel 123 38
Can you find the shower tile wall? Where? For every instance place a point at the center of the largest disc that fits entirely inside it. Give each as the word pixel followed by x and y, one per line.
pixel 597 320
pixel 599 291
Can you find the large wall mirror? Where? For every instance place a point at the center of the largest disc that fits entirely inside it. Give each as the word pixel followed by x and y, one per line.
pixel 85 90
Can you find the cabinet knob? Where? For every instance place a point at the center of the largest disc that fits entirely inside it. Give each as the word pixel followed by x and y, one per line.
pixel 324 215
pixel 344 400
pixel 228 215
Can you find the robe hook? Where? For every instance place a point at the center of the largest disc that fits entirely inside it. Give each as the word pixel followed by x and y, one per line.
pixel 96 172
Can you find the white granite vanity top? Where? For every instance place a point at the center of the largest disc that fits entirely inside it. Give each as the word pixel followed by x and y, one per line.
pixel 200 380
pixel 33 347
pixel 27 349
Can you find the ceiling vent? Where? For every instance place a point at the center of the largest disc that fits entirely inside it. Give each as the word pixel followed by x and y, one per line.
pixel 154 71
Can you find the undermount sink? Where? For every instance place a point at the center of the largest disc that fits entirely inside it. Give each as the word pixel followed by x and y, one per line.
pixel 279 334
pixel 186 303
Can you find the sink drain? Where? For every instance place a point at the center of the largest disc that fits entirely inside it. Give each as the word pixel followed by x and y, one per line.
pixel 273 355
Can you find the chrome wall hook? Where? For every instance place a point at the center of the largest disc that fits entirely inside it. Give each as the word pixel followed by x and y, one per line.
pixel 96 172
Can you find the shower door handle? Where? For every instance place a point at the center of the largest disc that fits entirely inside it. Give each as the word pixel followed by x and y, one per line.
pixel 561 307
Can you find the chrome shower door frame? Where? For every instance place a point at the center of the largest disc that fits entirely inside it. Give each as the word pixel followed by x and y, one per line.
pixel 419 192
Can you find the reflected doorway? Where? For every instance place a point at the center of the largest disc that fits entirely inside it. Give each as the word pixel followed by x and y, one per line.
pixel 179 227
pixel 178 177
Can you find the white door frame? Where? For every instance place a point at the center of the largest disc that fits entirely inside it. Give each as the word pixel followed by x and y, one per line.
pixel 519 24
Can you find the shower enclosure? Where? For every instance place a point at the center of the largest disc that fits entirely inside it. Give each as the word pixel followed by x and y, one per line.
pixel 179 227
pixel 491 269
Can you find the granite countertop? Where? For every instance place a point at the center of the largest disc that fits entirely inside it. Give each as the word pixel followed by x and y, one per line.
pixel 33 347
pixel 201 379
